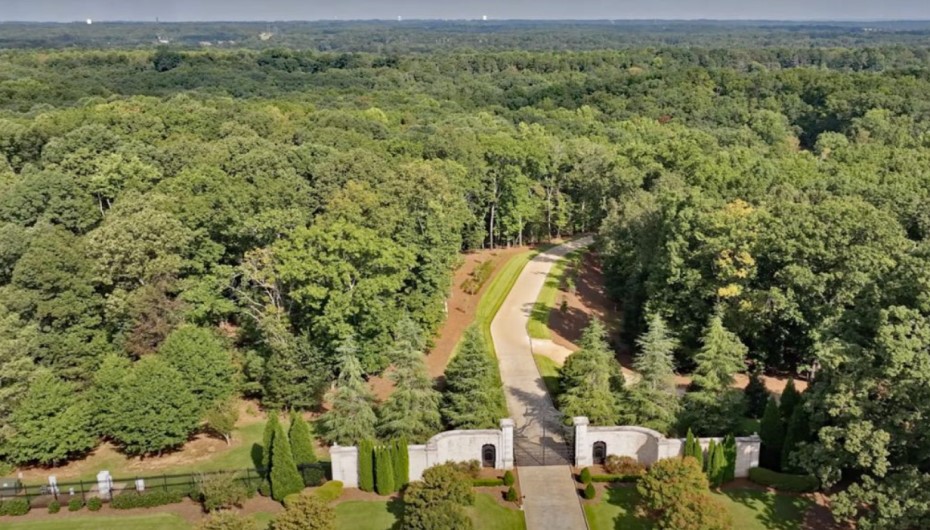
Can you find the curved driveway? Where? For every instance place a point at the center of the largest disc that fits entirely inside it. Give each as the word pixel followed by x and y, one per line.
pixel 550 497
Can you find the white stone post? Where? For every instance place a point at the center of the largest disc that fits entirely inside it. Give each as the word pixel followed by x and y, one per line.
pixel 104 483
pixel 747 454
pixel 345 465
pixel 506 452
pixel 583 452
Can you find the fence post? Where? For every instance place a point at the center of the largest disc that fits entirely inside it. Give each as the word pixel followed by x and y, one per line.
pixel 164 482
pixel 83 499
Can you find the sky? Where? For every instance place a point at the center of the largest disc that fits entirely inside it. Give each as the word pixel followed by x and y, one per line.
pixel 201 10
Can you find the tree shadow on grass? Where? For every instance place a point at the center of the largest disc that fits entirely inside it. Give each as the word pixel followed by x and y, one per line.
pixel 627 499
pixel 257 454
pixel 774 511
pixel 396 507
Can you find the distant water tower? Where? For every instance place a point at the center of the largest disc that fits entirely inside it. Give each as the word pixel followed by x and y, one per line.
pixel 484 17
pixel 89 22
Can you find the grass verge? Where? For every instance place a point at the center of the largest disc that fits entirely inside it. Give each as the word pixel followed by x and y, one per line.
pixel 486 514
pixel 155 521
pixel 549 370
pixel 538 327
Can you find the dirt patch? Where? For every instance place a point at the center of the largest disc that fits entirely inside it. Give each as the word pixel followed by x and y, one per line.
pixel 355 494
pixel 461 308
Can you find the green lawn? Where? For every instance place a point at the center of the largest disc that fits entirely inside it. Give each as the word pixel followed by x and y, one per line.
pixel 538 326
pixel 156 521
pixel 750 509
pixel 549 370
pixel 487 514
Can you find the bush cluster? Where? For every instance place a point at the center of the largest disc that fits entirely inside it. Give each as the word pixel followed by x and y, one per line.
pixel 589 491
pixel 94 504
pixel 511 495
pixel 313 475
pixel 131 499
pixel 623 465
pixel 585 476
pixel 75 505
pixel 783 481
pixel 14 507
pixel 509 479
pixel 330 491
pixel 54 507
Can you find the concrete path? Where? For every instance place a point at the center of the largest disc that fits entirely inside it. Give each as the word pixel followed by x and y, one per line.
pixel 550 498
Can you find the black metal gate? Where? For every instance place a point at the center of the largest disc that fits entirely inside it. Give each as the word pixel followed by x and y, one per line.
pixel 552 448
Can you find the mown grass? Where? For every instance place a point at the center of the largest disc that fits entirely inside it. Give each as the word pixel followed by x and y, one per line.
pixel 538 327
pixel 486 514
pixel 549 370
pixel 750 510
pixel 155 521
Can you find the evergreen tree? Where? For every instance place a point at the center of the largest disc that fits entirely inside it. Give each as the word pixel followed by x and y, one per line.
pixel 401 463
pixel 384 471
pixel 790 398
pixel 588 379
pixel 721 356
pixel 366 465
pixel 797 432
pixel 51 423
pixel 757 396
pixel 772 432
pixel 301 441
pixel 716 464
pixel 271 426
pixel 729 453
pixel 352 417
pixel 693 448
pixel 653 400
pixel 708 462
pixel 285 479
pixel 412 410
pixel 472 397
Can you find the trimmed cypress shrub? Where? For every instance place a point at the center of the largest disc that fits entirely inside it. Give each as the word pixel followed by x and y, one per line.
pixel 756 395
pixel 790 399
pixel 717 465
pixel 366 466
pixel 796 431
pixel 589 491
pixel 401 463
pixel 384 471
pixel 772 432
pixel 708 464
pixel 729 454
pixel 509 479
pixel 301 441
pixel 285 479
pixel 511 494
pixel 267 440
pixel 585 476
pixel 693 448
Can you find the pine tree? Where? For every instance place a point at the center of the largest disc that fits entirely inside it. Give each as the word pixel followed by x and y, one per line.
pixel 366 465
pixel 796 433
pixel 352 417
pixel 653 400
pixel 790 398
pixel 588 379
pixel 721 356
pixel 412 410
pixel 384 471
pixel 772 432
pixel 472 397
pixel 757 396
pixel 285 479
pixel 301 441
pixel 401 463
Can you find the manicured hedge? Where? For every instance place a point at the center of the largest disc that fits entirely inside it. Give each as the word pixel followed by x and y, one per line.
pixel 783 481
pixel 14 507
pixel 75 505
pixel 614 478
pixel 130 499
pixel 94 504
pixel 330 491
pixel 487 482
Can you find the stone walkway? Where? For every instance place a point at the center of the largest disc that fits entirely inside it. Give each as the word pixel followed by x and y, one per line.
pixel 550 498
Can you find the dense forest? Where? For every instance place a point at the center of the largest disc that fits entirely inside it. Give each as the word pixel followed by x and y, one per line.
pixel 180 225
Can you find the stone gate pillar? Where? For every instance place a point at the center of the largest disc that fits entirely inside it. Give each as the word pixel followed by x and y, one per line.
pixel 583 451
pixel 506 457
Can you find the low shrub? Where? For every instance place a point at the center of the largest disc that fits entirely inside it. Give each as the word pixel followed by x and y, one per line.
pixel 589 491
pixel 14 507
pixel 54 507
pixel 511 495
pixel 623 465
pixel 472 468
pixel 75 505
pixel 784 481
pixel 488 482
pixel 330 491
pixel 131 499
pixel 585 476
pixel 218 491
pixel 94 504
pixel 614 478
pixel 509 479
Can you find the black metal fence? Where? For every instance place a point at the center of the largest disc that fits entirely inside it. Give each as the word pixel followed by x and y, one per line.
pixel 41 495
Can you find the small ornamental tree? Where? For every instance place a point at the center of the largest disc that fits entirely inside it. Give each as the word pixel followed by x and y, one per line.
pixel 790 399
pixel 306 512
pixel 301 441
pixel 435 503
pixel 226 520
pixel 221 418
pixel 772 432
pixel 366 465
pixel 384 471
pixel 757 396
pixel 668 482
pixel 219 491
pixel 697 512
pixel 285 479
pixel 401 463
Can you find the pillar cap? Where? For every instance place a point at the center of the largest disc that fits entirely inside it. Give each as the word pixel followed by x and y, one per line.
pixel 580 420
pixel 507 422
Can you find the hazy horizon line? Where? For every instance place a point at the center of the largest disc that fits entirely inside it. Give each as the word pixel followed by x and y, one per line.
pixel 473 19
